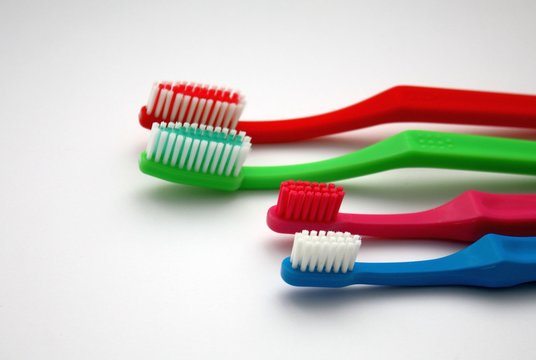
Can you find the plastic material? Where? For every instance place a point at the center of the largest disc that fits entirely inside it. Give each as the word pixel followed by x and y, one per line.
pixel 412 148
pixel 466 218
pixel 493 261
pixel 397 104
pixel 404 104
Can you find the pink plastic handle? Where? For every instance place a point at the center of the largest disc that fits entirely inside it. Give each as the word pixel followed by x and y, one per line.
pixel 467 217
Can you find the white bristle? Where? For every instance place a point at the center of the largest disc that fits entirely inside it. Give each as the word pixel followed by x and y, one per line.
pixel 200 155
pixel 192 109
pixel 236 115
pixel 232 159
pixel 191 158
pixel 215 111
pixel 324 251
pixel 208 106
pixel 224 158
pixel 160 148
pixel 199 110
pixel 185 151
pixel 221 114
pixel 184 106
pixel 217 157
pixel 244 151
pixel 210 154
pixel 229 115
pixel 169 148
pixel 152 98
pixel 169 97
pixel 175 109
pixel 155 133
pixel 177 148
pixel 160 103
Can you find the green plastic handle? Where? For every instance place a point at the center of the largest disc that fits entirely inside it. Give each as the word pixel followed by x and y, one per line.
pixel 414 148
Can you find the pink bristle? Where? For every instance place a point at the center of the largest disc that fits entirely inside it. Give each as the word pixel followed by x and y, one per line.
pixel 306 201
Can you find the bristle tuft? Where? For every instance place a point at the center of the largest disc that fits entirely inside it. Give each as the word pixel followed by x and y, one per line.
pixel 309 201
pixel 323 251
pixel 198 148
pixel 193 103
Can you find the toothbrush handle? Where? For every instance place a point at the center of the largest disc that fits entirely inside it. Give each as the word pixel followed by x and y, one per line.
pixel 414 148
pixel 466 218
pixel 470 152
pixel 493 261
pixel 404 104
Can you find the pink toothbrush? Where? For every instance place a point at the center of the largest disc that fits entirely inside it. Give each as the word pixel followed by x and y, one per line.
pixel 315 206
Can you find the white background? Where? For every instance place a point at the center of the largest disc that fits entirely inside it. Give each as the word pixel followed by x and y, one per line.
pixel 98 261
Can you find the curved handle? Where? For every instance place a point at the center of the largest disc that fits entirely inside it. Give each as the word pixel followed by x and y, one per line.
pixel 492 261
pixel 412 148
pixel 404 104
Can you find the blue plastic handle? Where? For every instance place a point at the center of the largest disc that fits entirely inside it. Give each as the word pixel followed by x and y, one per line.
pixel 492 261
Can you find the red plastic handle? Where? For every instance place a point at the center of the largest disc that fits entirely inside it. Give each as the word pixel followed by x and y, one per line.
pixel 404 104
pixel 468 217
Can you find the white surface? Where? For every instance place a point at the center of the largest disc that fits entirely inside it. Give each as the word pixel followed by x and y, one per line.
pixel 98 261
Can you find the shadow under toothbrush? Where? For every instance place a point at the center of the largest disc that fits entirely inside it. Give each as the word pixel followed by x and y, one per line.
pixel 314 299
pixel 422 192
pixel 415 189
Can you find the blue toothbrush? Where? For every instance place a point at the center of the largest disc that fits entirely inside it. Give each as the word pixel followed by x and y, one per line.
pixel 327 259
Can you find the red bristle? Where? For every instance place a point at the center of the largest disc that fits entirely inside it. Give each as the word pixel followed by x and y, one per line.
pixel 292 200
pixel 299 205
pixel 306 201
pixel 226 96
pixel 179 88
pixel 218 96
pixel 330 207
pixel 322 207
pixel 196 91
pixel 235 98
pixel 340 196
pixel 203 92
pixel 314 206
pixel 307 205
pixel 282 201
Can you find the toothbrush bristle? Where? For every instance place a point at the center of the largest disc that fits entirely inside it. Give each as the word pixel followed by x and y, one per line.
pixel 200 149
pixel 323 251
pixel 309 201
pixel 192 103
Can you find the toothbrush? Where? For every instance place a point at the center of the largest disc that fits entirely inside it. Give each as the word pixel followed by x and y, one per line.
pixel 213 157
pixel 213 106
pixel 471 215
pixel 327 259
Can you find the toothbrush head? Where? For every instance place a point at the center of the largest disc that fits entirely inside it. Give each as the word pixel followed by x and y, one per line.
pixel 305 205
pixel 309 201
pixel 196 155
pixel 192 103
pixel 321 258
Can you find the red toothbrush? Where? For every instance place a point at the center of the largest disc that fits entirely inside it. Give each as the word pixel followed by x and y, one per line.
pixel 222 107
pixel 315 206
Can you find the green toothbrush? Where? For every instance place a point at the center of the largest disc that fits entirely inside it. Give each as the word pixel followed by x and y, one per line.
pixel 213 157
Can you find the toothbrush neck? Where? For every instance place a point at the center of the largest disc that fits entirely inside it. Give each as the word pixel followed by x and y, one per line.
pixel 381 156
